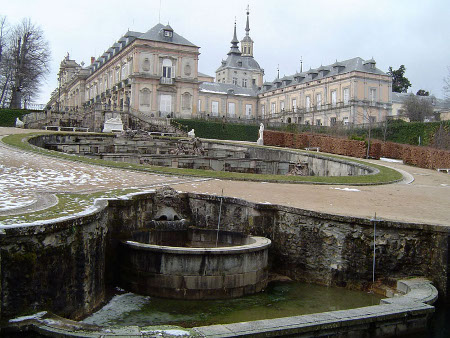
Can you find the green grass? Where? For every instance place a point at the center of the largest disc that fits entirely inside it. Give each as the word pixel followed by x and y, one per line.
pixel 386 175
pixel 69 204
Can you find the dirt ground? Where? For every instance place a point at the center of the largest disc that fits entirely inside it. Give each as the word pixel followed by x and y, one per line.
pixel 422 197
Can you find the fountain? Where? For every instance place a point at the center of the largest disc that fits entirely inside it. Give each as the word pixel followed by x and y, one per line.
pixel 186 264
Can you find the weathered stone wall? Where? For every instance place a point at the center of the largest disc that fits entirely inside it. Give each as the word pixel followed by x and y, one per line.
pixel 63 266
pixel 57 267
pixel 218 156
pixel 333 250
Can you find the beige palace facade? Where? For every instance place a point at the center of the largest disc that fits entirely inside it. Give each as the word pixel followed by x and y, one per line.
pixel 156 74
pixel 348 92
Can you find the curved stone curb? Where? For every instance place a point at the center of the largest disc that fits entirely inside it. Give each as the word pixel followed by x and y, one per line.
pixel 43 201
pixel 416 290
pixel 398 315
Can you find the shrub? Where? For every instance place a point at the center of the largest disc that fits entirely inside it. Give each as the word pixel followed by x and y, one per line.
pixel 8 116
pixel 222 130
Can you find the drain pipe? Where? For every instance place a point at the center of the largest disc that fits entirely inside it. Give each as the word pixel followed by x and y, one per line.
pixel 218 223
pixel 374 221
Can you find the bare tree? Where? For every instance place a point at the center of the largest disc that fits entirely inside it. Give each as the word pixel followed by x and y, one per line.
pixel 417 108
pixel 29 55
pixel 5 73
pixel 446 88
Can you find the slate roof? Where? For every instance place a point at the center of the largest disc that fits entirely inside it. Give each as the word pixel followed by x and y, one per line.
pixel 204 75
pixel 232 61
pixel 154 34
pixel 437 103
pixel 337 68
pixel 225 88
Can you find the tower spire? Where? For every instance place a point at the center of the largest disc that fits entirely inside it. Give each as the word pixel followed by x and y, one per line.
pixel 247 42
pixel 234 43
pixel 247 27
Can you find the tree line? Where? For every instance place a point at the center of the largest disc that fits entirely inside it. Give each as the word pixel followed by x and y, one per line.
pixel 24 62
pixel 419 107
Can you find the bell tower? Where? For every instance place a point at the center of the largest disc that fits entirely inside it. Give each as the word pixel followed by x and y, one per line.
pixel 247 42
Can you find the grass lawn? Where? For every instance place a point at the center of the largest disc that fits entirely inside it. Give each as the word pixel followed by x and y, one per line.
pixel 385 175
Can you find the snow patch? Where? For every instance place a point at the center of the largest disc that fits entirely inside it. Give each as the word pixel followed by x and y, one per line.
pixel 38 315
pixel 347 189
pixel 392 160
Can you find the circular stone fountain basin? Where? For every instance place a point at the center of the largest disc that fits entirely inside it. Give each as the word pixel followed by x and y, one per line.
pixel 186 264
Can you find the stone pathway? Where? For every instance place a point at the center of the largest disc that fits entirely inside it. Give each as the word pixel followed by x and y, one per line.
pixel 24 176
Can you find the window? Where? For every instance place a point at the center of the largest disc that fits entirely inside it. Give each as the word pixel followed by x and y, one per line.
pixel 167 71
pixel 263 111
pixel 168 34
pixel 186 98
pixel 319 101
pixel 318 122
pixel 372 119
pixel 294 105
pixel 235 81
pixel 333 121
pixel 215 108
pixel 110 79
pixel 144 97
pixel 282 105
pixel 165 103
pixel 231 109
pixel 248 111
pixel 333 98
pixel 254 82
pixel 272 109
pixel 244 83
pixel 245 49
pixel 124 71
pixel 146 65
pixel 373 96
pixel 117 74
pixel 308 103
pixel 346 95
pixel 345 121
pixel 199 105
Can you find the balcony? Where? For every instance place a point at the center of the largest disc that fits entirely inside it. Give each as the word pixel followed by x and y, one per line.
pixel 166 81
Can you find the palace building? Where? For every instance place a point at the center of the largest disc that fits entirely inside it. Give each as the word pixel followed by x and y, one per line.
pixel 155 75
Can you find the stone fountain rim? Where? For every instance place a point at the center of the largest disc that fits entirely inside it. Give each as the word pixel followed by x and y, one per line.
pixel 259 243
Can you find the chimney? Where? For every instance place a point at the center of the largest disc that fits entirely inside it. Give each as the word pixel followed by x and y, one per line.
pixel 92 60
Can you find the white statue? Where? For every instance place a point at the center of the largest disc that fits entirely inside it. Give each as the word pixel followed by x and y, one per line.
pixel 113 125
pixel 191 133
pixel 261 135
pixel 19 124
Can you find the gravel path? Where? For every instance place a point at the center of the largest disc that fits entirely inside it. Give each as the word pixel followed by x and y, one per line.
pixel 426 199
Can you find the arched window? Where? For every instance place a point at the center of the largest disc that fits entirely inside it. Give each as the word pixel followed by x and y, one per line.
pixel 187 101
pixel 167 68
pixel 146 65
pixel 144 97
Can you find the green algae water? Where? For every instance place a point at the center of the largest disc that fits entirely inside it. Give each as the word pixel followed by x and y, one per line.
pixel 280 299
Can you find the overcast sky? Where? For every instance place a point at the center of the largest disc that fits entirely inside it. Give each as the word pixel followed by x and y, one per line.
pixel 410 32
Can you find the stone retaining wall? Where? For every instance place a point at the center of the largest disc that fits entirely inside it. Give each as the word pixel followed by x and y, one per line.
pixel 57 266
pixel 63 265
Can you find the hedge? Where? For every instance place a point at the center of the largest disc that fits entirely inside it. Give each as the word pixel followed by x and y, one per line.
pixel 8 116
pixel 221 130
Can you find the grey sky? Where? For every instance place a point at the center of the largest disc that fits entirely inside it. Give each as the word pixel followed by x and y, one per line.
pixel 413 33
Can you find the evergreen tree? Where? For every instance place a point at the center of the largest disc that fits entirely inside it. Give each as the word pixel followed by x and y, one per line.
pixel 400 83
